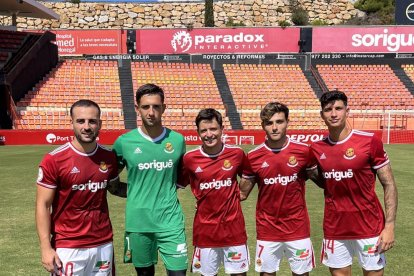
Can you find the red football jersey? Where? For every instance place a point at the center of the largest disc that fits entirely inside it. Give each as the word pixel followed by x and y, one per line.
pixel 219 220
pixel 352 208
pixel 80 217
pixel 281 212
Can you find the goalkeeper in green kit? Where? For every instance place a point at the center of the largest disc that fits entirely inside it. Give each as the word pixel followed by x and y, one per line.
pixel 154 217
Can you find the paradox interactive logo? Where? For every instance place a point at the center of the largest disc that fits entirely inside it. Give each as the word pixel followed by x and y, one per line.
pixel 181 41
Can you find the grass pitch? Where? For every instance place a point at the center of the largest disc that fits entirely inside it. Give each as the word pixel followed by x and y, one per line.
pixel 19 249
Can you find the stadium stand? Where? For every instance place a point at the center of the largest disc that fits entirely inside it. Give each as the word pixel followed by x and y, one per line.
pixel 47 105
pixel 254 85
pixel 409 70
pixel 372 89
pixel 188 88
pixel 369 87
pixel 10 42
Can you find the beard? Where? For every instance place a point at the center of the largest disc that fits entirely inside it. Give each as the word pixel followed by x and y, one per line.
pixel 90 140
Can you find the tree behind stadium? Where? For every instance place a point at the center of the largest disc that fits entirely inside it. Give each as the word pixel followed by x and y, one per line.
pixel 209 14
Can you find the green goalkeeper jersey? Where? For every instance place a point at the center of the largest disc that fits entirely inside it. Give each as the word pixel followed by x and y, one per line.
pixel 152 204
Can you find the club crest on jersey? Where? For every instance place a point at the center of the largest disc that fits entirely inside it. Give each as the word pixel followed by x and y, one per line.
pixel 292 161
pixel 259 261
pixel 349 154
pixel 197 265
pixel 169 148
pixel 103 167
pixel 227 165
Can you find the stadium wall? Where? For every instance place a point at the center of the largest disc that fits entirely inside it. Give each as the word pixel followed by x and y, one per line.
pixel 372 39
pixel 241 137
pixel 256 13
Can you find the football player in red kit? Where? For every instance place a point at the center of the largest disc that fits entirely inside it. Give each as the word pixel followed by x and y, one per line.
pixel 354 222
pixel 219 234
pixel 281 166
pixel 72 216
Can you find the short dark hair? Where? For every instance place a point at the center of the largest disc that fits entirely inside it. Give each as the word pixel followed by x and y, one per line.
pixel 209 114
pixel 271 109
pixel 85 103
pixel 149 89
pixel 332 96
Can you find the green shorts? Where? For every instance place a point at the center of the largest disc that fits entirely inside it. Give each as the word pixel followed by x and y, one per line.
pixel 141 249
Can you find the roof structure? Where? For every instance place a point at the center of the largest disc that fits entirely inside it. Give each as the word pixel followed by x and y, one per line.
pixel 26 8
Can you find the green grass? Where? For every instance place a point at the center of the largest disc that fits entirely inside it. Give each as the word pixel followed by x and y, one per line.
pixel 19 251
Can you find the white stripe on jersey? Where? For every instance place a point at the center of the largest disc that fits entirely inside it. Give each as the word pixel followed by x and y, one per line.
pixel 298 143
pixel 381 165
pixel 279 149
pixel 83 153
pixel 104 148
pixel 149 138
pixel 312 168
pixel 218 154
pixel 360 132
pixel 60 149
pixel 354 131
pixel 342 141
pixel 257 148
pixel 248 176
pixel 46 185
pixel 179 186
pixel 232 146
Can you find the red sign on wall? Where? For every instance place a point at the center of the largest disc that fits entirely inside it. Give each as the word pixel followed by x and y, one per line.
pixel 236 137
pixel 363 40
pixel 90 42
pixel 225 40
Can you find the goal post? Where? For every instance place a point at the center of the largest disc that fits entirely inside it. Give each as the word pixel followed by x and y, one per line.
pixel 394 126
